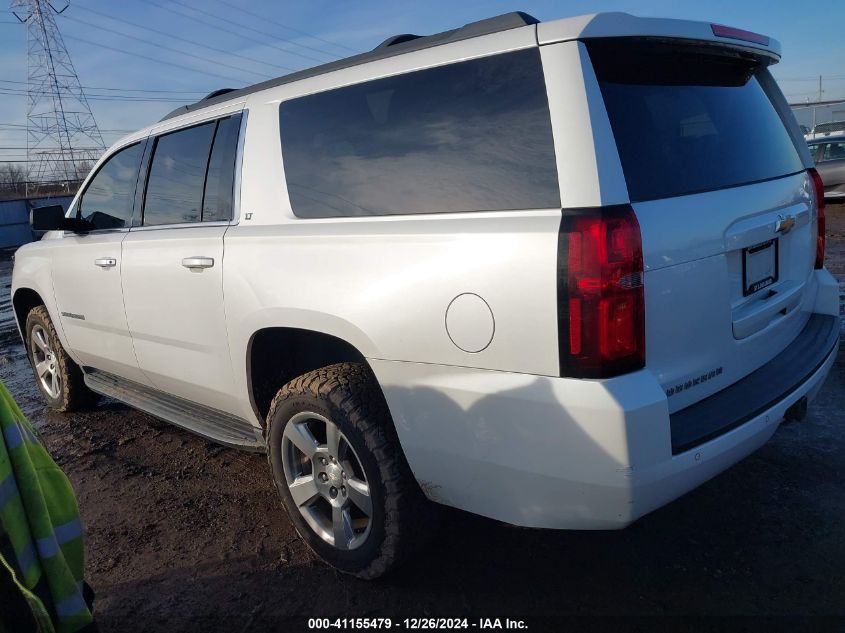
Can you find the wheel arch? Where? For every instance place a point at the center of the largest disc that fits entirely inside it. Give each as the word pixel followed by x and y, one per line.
pixel 277 355
pixel 24 300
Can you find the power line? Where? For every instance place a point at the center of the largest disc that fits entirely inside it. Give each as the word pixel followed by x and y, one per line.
pixel 58 113
pixel 182 92
pixel 52 160
pixel 228 20
pixel 183 39
pixel 152 59
pixel 812 79
pixel 289 28
pixel 231 32
pixel 22 127
pixel 50 149
pixel 95 97
pixel 167 48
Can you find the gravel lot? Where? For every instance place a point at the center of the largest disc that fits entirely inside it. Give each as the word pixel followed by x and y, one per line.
pixel 184 535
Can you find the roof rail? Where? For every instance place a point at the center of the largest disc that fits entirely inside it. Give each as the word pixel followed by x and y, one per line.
pixel 182 109
pixel 217 93
pixel 397 39
pixel 395 45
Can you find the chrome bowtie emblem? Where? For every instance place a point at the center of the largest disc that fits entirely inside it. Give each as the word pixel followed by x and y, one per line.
pixel 785 224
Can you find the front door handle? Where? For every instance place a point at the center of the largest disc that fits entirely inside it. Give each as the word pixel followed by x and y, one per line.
pixel 195 263
pixel 105 262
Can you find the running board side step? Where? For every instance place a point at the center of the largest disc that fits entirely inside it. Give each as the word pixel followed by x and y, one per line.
pixel 211 424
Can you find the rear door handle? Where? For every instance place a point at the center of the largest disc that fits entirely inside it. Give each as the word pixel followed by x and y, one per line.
pixel 198 262
pixel 105 262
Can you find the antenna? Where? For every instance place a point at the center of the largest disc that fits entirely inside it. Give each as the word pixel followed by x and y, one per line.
pixel 62 140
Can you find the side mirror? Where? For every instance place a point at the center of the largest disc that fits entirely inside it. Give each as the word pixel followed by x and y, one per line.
pixel 52 218
pixel 47 218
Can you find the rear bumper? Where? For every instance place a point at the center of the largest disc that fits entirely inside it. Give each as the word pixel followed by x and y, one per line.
pixel 547 452
pixel 758 392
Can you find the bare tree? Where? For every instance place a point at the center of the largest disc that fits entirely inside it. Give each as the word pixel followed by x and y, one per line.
pixel 12 180
pixel 82 169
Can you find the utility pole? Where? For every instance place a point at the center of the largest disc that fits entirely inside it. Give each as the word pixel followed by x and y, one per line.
pixel 62 138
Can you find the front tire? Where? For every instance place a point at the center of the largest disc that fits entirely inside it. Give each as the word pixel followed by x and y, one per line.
pixel 340 471
pixel 59 379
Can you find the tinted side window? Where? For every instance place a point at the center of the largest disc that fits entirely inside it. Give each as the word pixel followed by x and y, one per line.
pixel 107 201
pixel 177 176
pixel 217 203
pixel 833 151
pixel 470 136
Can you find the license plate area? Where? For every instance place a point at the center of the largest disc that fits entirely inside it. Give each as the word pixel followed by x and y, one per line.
pixel 759 266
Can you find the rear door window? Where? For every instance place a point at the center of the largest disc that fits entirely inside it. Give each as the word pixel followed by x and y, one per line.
pixel 192 174
pixel 469 136
pixel 688 119
pixel 177 176
pixel 219 183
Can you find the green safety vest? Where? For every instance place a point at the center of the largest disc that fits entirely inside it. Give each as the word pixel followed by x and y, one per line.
pixel 39 519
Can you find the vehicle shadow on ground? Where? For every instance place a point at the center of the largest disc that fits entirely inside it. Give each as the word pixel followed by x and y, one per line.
pixel 720 551
pixel 750 542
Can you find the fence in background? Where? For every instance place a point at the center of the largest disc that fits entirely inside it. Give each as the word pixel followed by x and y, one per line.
pixel 811 114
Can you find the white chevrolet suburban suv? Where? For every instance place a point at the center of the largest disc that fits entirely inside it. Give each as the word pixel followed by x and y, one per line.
pixel 556 274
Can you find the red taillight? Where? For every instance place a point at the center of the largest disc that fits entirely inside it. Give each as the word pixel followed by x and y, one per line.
pixel 818 191
pixel 602 308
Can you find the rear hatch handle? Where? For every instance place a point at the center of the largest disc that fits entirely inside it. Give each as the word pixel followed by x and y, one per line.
pixel 775 303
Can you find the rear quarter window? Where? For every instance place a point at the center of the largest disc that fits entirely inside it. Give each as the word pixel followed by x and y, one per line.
pixel 469 136
pixel 688 119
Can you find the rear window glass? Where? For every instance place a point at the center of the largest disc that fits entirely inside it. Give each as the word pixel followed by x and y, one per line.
pixel 688 119
pixel 470 136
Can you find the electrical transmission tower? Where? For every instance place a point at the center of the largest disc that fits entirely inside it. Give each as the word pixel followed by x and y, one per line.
pixel 63 140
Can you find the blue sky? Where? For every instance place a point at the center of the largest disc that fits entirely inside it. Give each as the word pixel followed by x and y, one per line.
pixel 266 38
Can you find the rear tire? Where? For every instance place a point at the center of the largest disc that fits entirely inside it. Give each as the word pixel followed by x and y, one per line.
pixel 58 378
pixel 330 437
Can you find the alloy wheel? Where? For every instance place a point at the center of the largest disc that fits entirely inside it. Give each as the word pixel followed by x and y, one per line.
pixel 326 480
pixel 45 362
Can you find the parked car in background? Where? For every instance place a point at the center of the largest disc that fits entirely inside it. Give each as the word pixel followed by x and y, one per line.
pixel 557 274
pixel 829 156
pixel 823 130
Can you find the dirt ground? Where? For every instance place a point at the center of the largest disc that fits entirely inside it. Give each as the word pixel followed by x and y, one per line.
pixel 186 536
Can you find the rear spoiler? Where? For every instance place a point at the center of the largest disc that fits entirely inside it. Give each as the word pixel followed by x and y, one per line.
pixel 626 25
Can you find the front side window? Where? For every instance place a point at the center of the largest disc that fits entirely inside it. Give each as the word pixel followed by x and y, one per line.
pixel 469 136
pixel 107 200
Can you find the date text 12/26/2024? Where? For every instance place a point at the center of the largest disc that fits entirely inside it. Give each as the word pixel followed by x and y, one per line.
pixel 429 624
